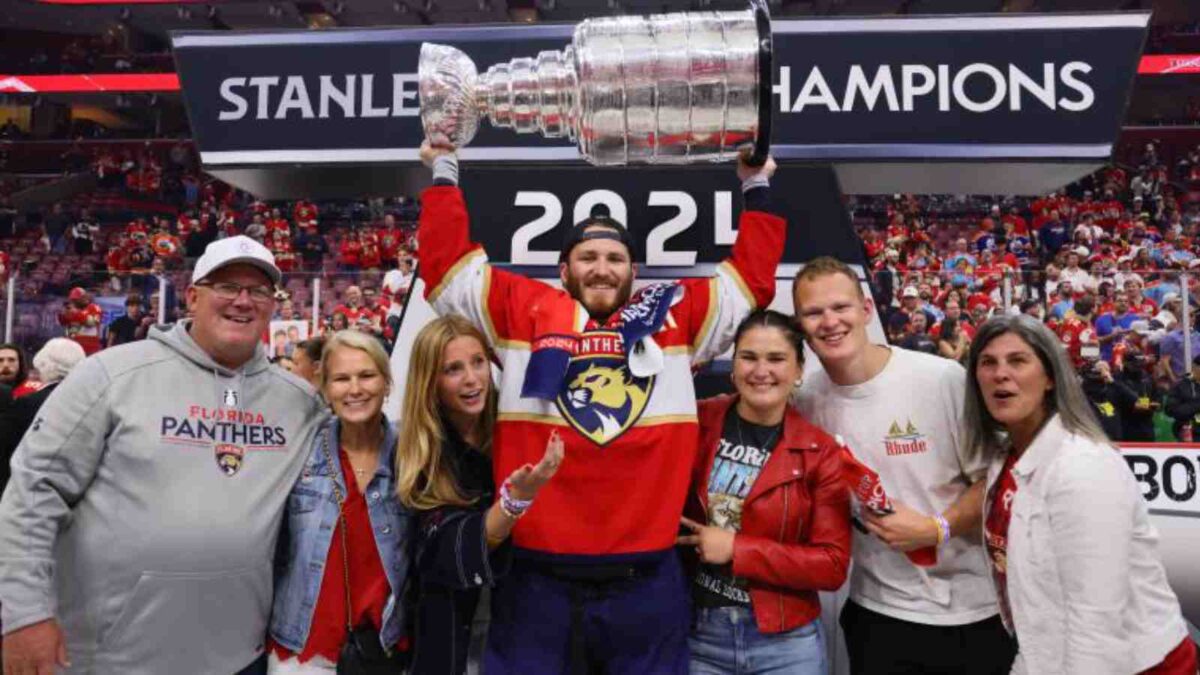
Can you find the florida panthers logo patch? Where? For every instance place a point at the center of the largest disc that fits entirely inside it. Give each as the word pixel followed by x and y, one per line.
pixel 229 458
pixel 601 398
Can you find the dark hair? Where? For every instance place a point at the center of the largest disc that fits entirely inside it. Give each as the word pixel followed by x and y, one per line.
pixel 949 329
pixel 22 362
pixel 312 348
pixel 133 299
pixel 769 318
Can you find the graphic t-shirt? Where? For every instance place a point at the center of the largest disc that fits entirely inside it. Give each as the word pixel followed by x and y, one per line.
pixel 742 453
pixel 905 424
pixel 995 534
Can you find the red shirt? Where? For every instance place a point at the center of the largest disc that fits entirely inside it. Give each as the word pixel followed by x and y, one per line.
pixel 25 388
pixel 1146 308
pixel 995 532
pixel 370 250
pixel 304 212
pixel 369 588
pixel 1074 332
pixel 390 241
pixel 117 261
pixel 277 227
pixel 350 251
pixel 353 313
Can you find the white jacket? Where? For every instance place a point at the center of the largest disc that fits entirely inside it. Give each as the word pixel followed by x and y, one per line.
pixel 1088 591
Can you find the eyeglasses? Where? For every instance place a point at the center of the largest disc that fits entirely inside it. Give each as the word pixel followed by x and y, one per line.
pixel 230 291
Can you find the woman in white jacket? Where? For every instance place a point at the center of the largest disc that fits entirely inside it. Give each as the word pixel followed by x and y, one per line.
pixel 1074 556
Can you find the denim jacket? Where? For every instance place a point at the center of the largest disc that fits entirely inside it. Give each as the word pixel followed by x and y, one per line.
pixel 312 513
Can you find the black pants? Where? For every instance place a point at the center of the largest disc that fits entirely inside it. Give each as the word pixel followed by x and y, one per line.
pixel 879 644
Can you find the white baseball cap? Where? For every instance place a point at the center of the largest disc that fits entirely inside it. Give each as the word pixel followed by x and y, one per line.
pixel 233 250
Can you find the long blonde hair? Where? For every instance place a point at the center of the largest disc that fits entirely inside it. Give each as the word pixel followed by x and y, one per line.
pixel 423 479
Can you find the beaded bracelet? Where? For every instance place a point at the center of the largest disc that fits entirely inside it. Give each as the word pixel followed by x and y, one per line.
pixel 512 507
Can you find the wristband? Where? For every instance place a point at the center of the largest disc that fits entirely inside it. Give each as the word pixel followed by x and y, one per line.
pixel 512 507
pixel 445 167
pixel 756 181
pixel 943 526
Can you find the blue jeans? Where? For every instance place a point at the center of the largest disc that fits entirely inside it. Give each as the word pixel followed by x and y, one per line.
pixel 726 641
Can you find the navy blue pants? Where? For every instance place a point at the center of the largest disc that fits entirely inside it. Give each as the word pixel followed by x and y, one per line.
pixel 551 623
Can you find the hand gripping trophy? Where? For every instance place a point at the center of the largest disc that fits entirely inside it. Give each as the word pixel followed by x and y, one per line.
pixel 663 89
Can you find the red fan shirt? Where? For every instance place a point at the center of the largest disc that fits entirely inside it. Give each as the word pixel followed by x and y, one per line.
pixel 996 532
pixel 350 252
pixel 369 588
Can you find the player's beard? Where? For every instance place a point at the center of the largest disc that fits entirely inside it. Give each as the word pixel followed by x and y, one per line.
pixel 601 313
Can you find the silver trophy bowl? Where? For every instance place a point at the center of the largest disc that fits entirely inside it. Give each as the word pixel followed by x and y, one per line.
pixel 663 89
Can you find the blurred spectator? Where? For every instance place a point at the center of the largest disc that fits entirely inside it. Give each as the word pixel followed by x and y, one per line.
pixel 307 360
pixel 56 224
pixel 1183 402
pixel 1108 398
pixel 311 247
pixel 1171 350
pixel 53 361
pixel 132 326
pixel 80 319
pixel 1138 407
pixel 396 284
pixel 953 342
pixel 256 230
pixel 917 339
pixel 1112 327
pixel 83 234
pixel 1062 301
pixel 350 252
pixel 13 366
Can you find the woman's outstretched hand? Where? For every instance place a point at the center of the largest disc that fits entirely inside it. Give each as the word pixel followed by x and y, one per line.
pixel 527 480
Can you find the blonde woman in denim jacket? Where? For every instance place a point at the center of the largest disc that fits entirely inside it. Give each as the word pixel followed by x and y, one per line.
pixel 346 536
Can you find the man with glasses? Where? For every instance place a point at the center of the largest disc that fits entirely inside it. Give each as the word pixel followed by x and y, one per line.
pixel 137 531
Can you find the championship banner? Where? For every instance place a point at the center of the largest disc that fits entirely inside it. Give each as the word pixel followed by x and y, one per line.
pixel 1037 87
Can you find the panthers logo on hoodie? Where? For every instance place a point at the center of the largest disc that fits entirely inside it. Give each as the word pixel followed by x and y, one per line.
pixel 229 458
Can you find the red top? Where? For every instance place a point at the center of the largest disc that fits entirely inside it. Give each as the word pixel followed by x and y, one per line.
pixel 996 533
pixel 369 587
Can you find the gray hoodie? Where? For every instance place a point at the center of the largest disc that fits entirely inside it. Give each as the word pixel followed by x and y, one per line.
pixel 144 506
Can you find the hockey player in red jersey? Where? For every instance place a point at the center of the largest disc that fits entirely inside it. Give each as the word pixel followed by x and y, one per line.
pixel 595 582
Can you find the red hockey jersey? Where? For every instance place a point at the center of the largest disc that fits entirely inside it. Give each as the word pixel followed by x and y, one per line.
pixel 630 441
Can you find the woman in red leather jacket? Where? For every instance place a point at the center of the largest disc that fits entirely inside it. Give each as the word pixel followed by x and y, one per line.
pixel 768 515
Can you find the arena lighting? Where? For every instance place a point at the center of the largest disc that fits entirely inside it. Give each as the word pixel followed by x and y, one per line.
pixel 523 14
pixel 1169 64
pixel 94 83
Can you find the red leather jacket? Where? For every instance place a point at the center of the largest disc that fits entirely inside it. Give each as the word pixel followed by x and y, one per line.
pixel 795 534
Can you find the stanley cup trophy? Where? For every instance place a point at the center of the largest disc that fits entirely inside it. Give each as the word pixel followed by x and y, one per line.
pixel 664 89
